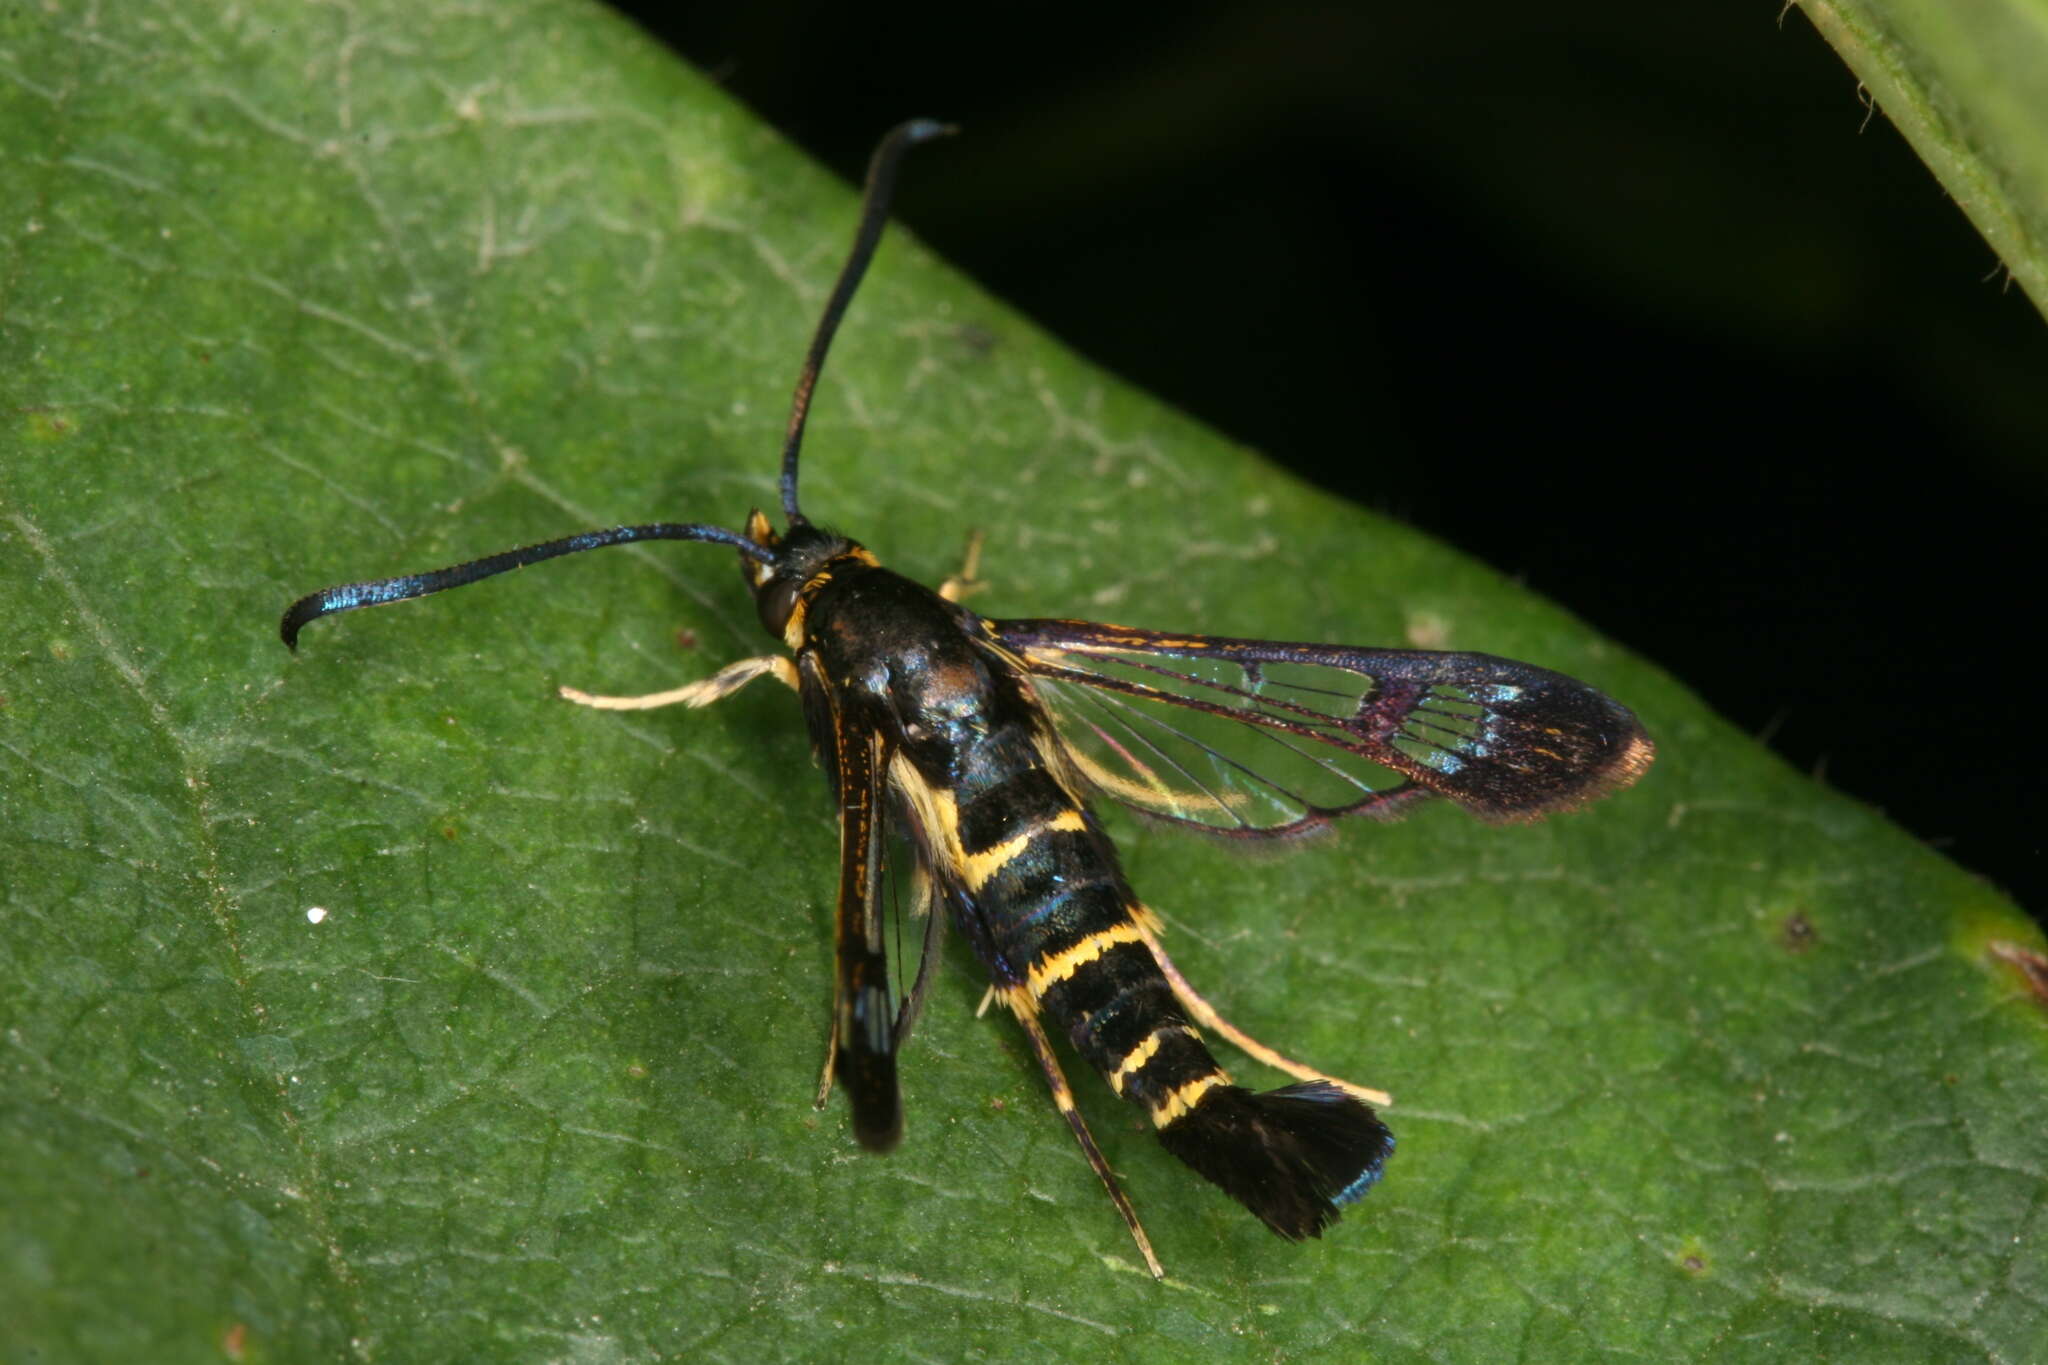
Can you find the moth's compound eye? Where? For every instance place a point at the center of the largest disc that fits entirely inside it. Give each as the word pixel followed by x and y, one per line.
pixel 775 602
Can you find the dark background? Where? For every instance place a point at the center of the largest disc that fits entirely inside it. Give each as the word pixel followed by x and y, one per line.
pixel 1644 305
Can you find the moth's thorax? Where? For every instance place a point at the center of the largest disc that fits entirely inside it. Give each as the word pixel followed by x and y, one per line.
pixel 901 653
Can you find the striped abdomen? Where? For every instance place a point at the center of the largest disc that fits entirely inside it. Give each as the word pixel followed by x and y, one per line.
pixel 1057 921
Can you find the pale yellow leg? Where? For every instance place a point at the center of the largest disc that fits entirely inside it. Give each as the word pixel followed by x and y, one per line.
pixel 968 580
pixel 831 1062
pixel 1204 1014
pixel 1026 1009
pixel 703 692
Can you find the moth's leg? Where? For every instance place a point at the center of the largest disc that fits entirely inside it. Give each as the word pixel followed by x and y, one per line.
pixel 922 902
pixel 703 692
pixel 1026 1009
pixel 968 580
pixel 831 1065
pixel 1204 1014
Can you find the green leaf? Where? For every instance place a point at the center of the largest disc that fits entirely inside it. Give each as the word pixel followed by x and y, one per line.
pixel 1726 1067
pixel 1968 86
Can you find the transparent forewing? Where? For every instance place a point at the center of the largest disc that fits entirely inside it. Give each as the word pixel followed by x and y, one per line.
pixel 1259 737
pixel 865 1008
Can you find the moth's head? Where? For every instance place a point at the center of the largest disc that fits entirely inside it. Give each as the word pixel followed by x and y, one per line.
pixel 802 557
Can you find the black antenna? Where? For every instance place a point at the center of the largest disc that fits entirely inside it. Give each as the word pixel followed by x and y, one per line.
pixel 874 215
pixel 349 596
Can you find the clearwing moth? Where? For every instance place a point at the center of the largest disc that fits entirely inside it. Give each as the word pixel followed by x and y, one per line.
pixel 980 742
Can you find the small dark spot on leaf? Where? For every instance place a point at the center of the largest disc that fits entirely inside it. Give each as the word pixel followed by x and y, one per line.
pixel 977 341
pixel 234 1342
pixel 686 638
pixel 448 831
pixel 636 1071
pixel 1797 934
pixel 2032 964
pixel 206 357
pixel 996 1105
pixel 1692 1257
pixel 142 1172
pixel 48 426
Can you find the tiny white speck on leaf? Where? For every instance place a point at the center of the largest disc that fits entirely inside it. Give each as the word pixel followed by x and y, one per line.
pixel 315 913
